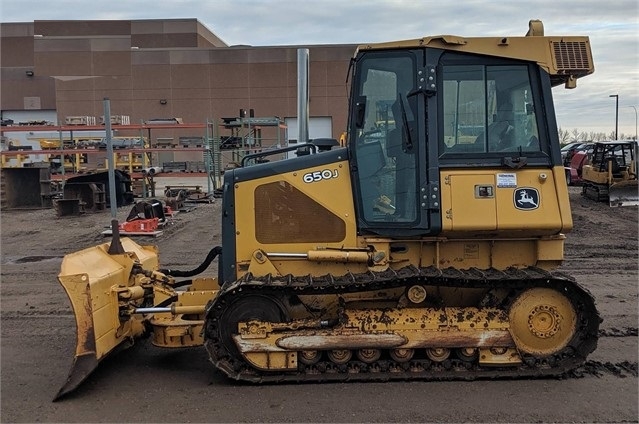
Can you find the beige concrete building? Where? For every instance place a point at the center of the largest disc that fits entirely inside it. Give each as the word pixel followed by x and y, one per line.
pixel 153 69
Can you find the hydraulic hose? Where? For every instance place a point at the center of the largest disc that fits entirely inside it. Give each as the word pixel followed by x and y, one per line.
pixel 209 258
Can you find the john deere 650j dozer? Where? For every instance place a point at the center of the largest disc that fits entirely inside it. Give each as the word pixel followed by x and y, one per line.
pixel 433 246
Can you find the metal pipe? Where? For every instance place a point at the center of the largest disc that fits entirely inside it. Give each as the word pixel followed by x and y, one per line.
pixel 634 107
pixel 302 95
pixel 151 310
pixel 111 171
pixel 62 158
pixel 616 96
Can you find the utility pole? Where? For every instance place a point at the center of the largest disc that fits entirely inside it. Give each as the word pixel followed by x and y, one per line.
pixel 616 96
pixel 636 139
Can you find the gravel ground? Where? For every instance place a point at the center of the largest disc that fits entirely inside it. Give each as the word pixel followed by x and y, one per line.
pixel 148 384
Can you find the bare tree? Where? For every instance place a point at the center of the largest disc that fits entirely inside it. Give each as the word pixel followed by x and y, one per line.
pixel 574 135
pixel 564 136
pixel 578 136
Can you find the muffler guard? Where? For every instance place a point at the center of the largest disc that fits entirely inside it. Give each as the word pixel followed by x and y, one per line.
pixel 91 278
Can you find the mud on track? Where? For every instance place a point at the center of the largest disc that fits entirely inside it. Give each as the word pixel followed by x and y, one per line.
pixel 147 384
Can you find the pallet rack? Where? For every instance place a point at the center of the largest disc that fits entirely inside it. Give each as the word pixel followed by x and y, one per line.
pixel 247 129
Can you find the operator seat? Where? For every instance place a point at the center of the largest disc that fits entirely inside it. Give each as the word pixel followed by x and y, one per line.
pixel 614 165
pixel 500 132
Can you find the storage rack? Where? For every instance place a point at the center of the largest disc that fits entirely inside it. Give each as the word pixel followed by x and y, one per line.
pixel 247 129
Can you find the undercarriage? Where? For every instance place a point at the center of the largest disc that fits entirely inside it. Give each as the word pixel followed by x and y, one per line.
pixel 513 323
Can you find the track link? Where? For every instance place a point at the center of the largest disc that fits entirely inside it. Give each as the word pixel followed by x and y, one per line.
pixel 569 358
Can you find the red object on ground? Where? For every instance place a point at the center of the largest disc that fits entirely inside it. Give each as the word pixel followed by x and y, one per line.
pixel 140 225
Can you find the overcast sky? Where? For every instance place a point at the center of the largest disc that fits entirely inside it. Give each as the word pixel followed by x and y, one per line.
pixel 611 25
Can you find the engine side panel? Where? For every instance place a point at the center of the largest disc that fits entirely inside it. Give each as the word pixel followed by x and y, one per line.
pixel 525 202
pixel 295 212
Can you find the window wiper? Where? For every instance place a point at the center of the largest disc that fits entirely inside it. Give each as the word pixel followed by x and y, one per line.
pixel 407 144
pixel 515 163
pixel 351 65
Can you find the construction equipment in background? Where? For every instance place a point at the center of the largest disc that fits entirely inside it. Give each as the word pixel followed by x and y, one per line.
pixel 79 197
pixel 426 248
pixel 175 198
pixel 181 194
pixel 26 188
pixel 122 182
pixel 145 217
pixel 611 175
pixel 140 226
pixel 147 209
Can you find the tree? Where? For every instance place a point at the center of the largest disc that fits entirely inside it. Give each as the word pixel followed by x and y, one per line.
pixel 574 135
pixel 564 136
pixel 578 136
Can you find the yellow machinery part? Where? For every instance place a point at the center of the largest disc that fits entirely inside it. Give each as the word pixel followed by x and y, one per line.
pixel 92 278
pixel 271 347
pixel 543 321
pixel 106 290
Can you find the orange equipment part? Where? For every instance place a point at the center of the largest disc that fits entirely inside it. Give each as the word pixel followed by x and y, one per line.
pixel 140 225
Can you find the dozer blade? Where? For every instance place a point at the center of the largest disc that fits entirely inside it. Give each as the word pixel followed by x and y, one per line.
pixel 92 279
pixel 624 193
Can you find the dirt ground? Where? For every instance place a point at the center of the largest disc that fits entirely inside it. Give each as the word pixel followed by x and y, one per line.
pixel 148 384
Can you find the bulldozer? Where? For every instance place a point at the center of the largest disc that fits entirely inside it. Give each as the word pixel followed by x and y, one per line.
pixel 611 175
pixel 425 246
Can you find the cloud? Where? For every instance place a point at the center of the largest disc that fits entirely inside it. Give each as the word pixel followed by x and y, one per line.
pixel 612 28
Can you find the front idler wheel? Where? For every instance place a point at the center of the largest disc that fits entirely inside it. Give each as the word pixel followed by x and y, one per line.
pixel 542 321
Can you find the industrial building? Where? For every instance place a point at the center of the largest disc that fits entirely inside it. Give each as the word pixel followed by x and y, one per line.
pixel 164 68
pixel 178 97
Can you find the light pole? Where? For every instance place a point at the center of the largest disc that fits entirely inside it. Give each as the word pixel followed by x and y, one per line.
pixel 616 96
pixel 636 139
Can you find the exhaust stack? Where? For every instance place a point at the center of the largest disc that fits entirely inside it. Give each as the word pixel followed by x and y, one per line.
pixel 302 95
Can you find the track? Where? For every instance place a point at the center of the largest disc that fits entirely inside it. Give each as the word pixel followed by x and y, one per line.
pixel 596 192
pixel 570 358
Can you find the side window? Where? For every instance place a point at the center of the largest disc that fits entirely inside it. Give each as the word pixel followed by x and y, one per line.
pixel 488 109
pixel 386 140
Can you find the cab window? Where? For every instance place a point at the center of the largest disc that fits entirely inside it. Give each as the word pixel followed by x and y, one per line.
pixel 488 109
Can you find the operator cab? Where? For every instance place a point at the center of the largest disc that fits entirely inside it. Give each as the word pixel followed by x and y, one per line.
pixel 417 111
pixel 618 154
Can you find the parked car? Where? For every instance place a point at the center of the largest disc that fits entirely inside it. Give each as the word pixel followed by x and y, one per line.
pixel 587 148
pixel 568 147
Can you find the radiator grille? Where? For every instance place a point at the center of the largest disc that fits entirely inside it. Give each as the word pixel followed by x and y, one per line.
pixel 571 55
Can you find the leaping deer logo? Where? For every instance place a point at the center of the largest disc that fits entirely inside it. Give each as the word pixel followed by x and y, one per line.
pixel 528 198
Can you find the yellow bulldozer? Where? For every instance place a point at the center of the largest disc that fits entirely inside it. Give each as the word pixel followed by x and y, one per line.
pixel 611 174
pixel 425 248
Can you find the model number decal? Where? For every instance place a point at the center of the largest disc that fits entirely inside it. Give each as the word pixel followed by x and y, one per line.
pixel 326 174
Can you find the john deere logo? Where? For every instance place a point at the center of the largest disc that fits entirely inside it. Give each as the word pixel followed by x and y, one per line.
pixel 526 198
